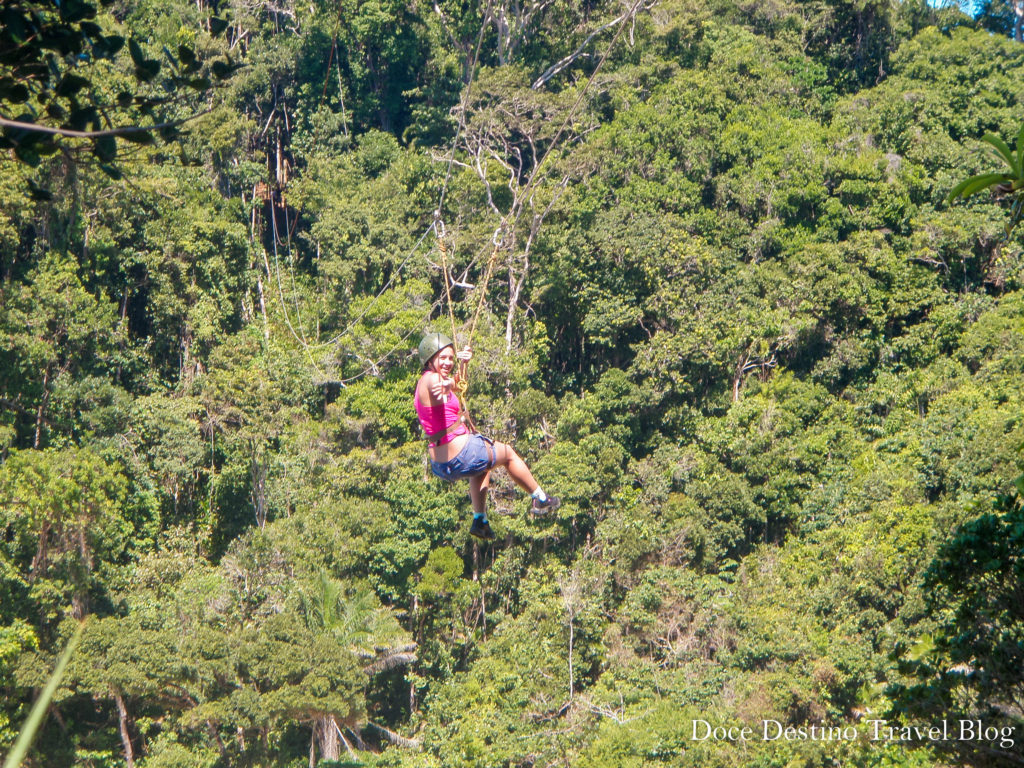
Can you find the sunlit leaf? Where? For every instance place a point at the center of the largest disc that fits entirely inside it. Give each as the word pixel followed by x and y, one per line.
pixel 1001 147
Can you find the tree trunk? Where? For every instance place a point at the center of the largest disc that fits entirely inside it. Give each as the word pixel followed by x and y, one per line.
pixel 42 408
pixel 1018 21
pixel 396 738
pixel 212 730
pixel 40 560
pixel 263 306
pixel 504 35
pixel 572 637
pixel 279 165
pixel 79 603
pixel 515 290
pixel 341 98
pixel 326 729
pixel 186 370
pixel 258 473
pixel 737 380
pixel 122 724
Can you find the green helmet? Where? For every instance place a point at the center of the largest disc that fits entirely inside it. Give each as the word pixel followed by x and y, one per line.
pixel 432 344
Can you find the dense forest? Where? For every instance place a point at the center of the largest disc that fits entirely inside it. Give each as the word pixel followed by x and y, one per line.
pixel 719 299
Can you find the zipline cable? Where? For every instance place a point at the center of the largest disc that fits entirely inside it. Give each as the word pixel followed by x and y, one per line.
pixel 593 76
pixel 461 384
pixel 441 198
pixel 401 342
pixel 300 337
pixel 498 238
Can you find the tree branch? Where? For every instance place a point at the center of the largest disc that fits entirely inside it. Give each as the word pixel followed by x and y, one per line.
pixel 36 128
pixel 558 66
pixel 396 738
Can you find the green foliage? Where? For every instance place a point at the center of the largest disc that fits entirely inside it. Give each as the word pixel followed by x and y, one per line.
pixel 998 16
pixel 69 519
pixel 15 638
pixel 737 327
pixel 969 667
pixel 58 68
pixel 29 729
pixel 56 332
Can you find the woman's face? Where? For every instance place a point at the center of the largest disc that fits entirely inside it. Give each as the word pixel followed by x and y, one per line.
pixel 445 361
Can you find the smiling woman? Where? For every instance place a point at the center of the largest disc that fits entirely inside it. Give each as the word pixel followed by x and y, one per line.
pixel 456 450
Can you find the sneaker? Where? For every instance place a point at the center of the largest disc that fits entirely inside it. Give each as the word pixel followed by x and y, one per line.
pixel 481 530
pixel 545 507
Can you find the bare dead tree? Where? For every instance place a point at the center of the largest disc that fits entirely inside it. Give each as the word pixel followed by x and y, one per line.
pixel 573 588
pixel 509 132
pixel 514 22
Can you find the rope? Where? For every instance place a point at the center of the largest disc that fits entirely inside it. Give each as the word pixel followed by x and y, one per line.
pixel 461 385
pixel 441 198
pixel 337 337
pixel 443 248
pixel 487 277
pixel 462 111
pixel 462 381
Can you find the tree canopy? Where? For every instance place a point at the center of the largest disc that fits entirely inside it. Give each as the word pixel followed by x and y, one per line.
pixel 723 303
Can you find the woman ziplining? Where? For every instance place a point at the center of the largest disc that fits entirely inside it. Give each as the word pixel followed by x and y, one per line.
pixel 456 449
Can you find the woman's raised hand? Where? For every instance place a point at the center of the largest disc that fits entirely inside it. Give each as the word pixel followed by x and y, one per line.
pixel 466 354
pixel 441 386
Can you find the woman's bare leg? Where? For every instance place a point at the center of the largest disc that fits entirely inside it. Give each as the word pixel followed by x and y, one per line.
pixel 505 455
pixel 478 493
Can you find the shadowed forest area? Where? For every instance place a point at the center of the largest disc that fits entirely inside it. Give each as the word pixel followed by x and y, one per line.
pixel 721 304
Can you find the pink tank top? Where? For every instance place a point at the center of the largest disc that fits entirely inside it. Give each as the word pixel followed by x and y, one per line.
pixel 436 418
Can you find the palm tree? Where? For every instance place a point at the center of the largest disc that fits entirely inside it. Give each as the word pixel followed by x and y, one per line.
pixel 356 619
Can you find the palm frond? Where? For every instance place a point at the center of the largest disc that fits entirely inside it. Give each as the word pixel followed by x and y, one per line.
pixel 390 661
pixel 975 184
pixel 1019 169
pixel 1002 148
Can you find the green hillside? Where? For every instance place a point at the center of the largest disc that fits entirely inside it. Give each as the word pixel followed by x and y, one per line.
pixel 720 302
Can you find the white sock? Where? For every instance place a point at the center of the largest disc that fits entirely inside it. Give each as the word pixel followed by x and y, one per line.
pixel 539 495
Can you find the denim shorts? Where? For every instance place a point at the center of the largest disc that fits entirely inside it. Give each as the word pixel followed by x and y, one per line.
pixel 475 457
